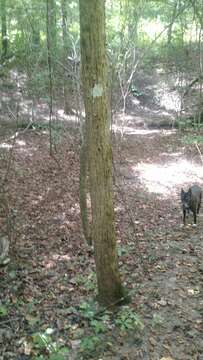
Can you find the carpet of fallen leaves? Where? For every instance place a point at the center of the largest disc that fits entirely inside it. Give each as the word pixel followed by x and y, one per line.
pixel 47 286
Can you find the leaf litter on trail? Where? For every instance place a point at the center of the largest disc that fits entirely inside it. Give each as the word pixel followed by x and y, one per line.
pixel 54 268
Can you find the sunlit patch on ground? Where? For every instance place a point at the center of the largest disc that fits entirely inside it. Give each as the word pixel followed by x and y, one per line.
pixel 60 257
pixel 62 116
pixel 21 142
pixel 172 155
pixel 168 100
pixel 5 146
pixel 167 179
pixel 128 130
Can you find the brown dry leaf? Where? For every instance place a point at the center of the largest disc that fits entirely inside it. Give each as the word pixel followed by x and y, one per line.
pixel 152 341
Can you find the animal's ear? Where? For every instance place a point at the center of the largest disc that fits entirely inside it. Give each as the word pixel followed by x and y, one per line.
pixel 189 191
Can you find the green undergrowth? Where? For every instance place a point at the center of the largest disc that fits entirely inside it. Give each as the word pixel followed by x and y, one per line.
pixel 191 139
pixel 85 330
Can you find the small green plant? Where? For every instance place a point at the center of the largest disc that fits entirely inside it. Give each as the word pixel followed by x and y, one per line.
pixel 89 344
pixel 157 320
pixel 3 310
pixel 98 326
pixel 60 354
pixel 127 319
pixel 90 283
pixel 193 139
pixel 43 341
pixel 135 92
pixel 122 250
pixel 79 279
pixel 185 123
pixel 88 310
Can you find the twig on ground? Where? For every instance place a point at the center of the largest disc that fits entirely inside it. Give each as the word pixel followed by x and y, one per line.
pixel 199 151
pixel 10 320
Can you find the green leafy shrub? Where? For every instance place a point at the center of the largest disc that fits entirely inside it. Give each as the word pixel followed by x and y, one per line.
pixel 127 319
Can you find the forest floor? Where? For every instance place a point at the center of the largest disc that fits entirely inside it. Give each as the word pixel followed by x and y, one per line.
pixel 47 291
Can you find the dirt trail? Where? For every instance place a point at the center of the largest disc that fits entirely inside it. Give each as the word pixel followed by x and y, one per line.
pixel 154 166
pixel 52 269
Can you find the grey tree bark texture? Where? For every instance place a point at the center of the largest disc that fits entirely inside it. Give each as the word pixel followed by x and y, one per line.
pixel 95 91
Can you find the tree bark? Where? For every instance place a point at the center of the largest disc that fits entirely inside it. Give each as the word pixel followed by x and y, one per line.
pixel 170 26
pixel 83 187
pixel 4 30
pixel 94 76
pixel 67 107
pixel 50 69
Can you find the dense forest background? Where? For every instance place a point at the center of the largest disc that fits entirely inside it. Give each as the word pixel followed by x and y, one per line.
pixel 149 44
pixel 50 287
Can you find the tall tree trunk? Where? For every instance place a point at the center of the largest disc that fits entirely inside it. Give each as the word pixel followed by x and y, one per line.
pixel 67 107
pixel 83 186
pixel 94 76
pixel 170 26
pixel 36 39
pixel 4 29
pixel 49 25
pixel 52 25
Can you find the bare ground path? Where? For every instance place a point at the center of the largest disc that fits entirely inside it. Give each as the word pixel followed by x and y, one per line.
pixel 154 167
pixel 52 270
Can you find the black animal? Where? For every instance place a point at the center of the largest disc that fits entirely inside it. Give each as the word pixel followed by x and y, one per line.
pixel 191 201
